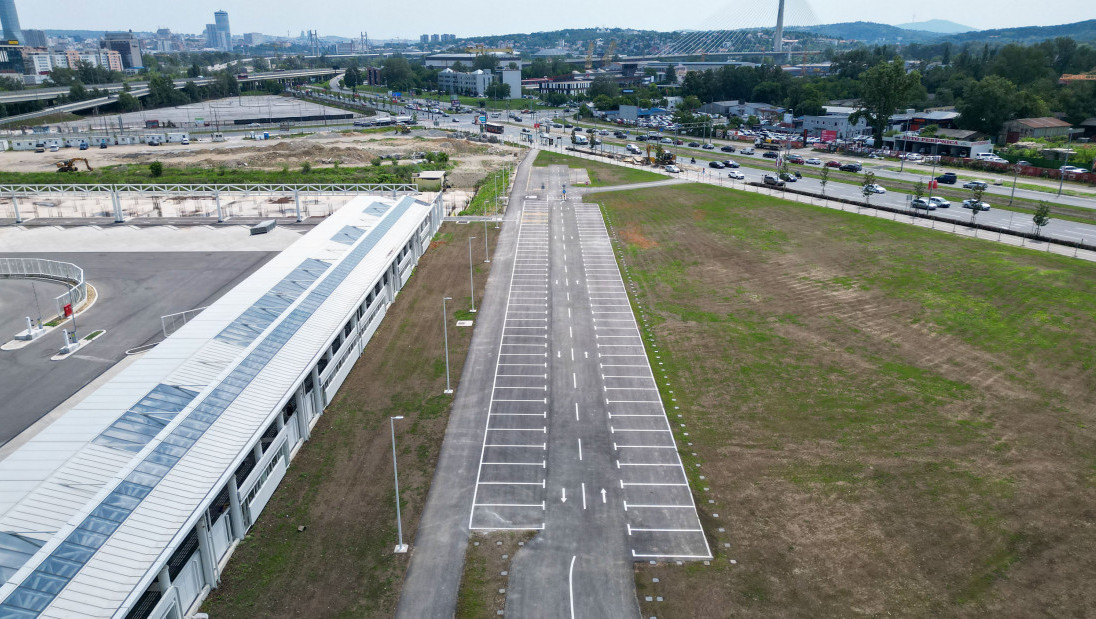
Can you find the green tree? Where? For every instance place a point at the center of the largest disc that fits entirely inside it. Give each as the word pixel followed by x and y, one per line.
pixel 156 169
pixel 497 90
pixel 987 105
pixel 824 177
pixel 885 87
pixel 976 197
pixel 397 73
pixel 77 92
pixel 485 62
pixel 603 86
pixel 1041 218
pixel 865 189
pixel 128 103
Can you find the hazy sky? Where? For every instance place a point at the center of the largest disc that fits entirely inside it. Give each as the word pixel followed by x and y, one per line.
pixel 479 17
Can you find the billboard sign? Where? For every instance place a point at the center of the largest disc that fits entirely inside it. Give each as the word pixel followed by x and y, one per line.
pixel 829 135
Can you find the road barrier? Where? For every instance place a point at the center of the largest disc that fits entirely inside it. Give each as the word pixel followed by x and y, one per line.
pixel 40 268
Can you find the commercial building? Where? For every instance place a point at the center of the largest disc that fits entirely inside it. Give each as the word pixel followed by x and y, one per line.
pixel 220 18
pixel 11 60
pixel 836 120
pixel 35 38
pixel 129 504
pixel 946 143
pixel 214 38
pixel 443 61
pixel 473 84
pixel 42 63
pixel 9 20
pixel 373 76
pixel 1024 128
pixel 127 45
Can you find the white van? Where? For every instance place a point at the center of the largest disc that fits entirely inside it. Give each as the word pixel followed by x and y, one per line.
pixel 982 156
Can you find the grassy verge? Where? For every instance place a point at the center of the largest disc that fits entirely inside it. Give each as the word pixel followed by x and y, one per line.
pixel 601 174
pixel 62 117
pixel 340 485
pixel 887 420
pixel 494 186
pixel 486 572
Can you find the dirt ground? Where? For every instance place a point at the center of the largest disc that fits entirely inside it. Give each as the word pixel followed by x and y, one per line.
pixel 473 161
pixel 340 485
pixel 880 420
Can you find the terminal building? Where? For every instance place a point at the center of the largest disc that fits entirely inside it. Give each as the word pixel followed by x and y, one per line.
pixel 130 503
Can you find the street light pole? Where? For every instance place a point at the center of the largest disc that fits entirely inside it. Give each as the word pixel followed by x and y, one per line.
pixel 1015 174
pixel 445 330
pixel 400 547
pixel 471 277
pixel 486 252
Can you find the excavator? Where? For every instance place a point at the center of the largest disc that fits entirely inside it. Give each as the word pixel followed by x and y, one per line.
pixel 69 165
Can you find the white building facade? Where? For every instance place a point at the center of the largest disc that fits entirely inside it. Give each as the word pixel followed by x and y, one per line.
pixel 129 504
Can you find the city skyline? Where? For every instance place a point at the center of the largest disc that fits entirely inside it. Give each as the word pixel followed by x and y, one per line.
pixel 390 21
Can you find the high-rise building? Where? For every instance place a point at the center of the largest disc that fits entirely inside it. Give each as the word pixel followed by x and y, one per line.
pixel 213 36
pixel 221 19
pixel 424 38
pixel 127 45
pixel 434 38
pixel 35 38
pixel 13 35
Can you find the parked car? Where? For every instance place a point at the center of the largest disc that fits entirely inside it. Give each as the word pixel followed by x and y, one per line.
pixel 736 175
pixel 727 149
pixel 939 202
pixel 971 203
pixel 730 164
pixel 185 141
pixel 673 169
pixel 769 154
pixel 716 164
pixel 875 188
pixel 814 161
pixel 771 180
pixel 83 145
pixel 948 178
pixel 923 204
pixel 975 185
pixel 40 147
pixel 54 149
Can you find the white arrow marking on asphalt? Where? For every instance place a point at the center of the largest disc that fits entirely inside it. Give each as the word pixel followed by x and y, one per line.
pixel 563 495
pixel 603 495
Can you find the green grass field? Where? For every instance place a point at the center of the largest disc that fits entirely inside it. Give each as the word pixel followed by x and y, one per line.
pixel 494 185
pixel 889 420
pixel 601 174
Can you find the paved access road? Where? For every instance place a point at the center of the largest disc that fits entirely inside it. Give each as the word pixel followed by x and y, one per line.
pixel 135 289
pixel 577 445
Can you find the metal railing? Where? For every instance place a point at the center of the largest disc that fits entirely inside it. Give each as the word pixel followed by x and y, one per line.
pixel 173 322
pixel 40 268
pixel 206 188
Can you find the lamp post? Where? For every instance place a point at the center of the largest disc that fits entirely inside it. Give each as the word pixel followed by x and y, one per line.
pixel 1015 174
pixel 400 547
pixel 445 331
pixel 1062 174
pixel 486 252
pixel 471 277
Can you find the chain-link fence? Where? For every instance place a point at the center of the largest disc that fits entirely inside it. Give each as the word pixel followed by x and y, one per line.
pixel 40 268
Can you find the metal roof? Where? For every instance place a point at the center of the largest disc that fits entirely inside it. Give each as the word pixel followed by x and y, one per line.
pixel 93 503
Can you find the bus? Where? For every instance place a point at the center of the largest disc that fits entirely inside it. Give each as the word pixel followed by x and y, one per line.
pixel 492 128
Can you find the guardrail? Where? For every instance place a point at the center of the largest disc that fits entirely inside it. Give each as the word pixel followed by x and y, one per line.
pixel 206 188
pixel 40 268
pixel 173 322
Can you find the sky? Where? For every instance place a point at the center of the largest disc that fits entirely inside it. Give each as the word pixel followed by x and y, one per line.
pixel 384 20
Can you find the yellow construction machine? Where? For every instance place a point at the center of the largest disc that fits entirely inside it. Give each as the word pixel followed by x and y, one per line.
pixel 69 165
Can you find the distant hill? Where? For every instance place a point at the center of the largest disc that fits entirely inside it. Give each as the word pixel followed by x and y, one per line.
pixel 870 32
pixel 1079 31
pixel 940 26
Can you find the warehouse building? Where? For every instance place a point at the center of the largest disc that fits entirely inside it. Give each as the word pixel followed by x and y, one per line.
pixel 130 503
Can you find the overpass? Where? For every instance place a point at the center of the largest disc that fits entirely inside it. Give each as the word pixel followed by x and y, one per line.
pixel 140 89
pixel 49 94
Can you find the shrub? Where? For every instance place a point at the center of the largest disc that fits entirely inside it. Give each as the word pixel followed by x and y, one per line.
pixel 156 169
pixel 306 167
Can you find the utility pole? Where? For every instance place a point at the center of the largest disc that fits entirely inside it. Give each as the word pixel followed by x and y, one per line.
pixel 471 277
pixel 445 330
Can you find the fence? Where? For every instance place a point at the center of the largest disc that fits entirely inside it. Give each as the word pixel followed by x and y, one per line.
pixel 173 322
pixel 40 268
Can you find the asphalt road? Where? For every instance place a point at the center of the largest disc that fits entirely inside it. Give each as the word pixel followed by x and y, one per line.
pixel 755 167
pixel 135 290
